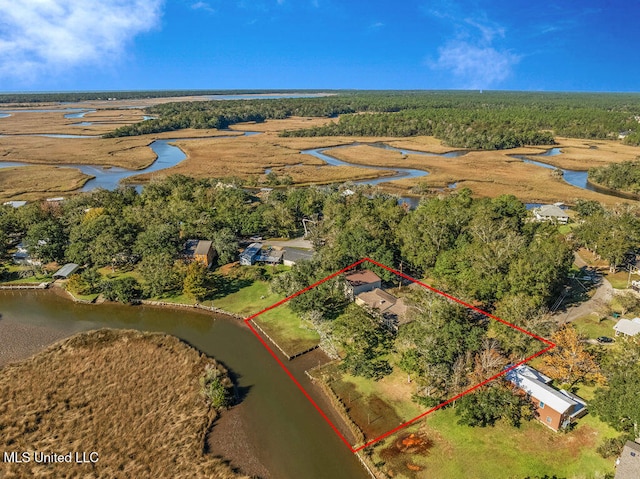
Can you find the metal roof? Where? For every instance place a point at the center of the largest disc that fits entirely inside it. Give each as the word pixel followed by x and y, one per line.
pixel 531 382
pixel 67 270
pixel 203 247
pixel 628 326
pixel 295 254
pixel 551 210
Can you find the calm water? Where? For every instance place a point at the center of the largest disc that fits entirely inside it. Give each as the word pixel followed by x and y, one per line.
pixel 573 177
pixel 401 172
pixel 293 440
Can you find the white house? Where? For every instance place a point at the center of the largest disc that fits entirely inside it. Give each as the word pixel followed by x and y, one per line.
pixel 551 213
pixel 630 327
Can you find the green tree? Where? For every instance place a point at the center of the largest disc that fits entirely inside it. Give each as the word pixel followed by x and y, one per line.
pixel 617 404
pixel 194 284
pixel 365 342
pixel 46 241
pixel 487 405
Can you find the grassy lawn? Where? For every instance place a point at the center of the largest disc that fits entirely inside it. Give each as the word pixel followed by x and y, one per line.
pixel 375 406
pixel 620 280
pixel 502 451
pixel 286 328
pixel 592 328
pixel 13 277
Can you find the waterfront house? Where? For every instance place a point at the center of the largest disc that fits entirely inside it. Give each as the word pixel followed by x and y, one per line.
pixel 555 408
pixel 628 464
pixel 392 310
pixel 551 213
pixel 628 327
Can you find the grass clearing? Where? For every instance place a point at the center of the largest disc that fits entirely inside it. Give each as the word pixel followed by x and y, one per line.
pixel 292 333
pixel 502 452
pixel 70 398
pixel 374 406
pixel 591 327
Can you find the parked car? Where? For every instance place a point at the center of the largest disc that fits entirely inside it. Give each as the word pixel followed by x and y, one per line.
pixel 605 340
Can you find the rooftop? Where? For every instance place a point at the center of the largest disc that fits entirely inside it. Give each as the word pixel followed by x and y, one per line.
pixel 364 276
pixel 630 327
pixel 550 210
pixel 532 382
pixel 203 247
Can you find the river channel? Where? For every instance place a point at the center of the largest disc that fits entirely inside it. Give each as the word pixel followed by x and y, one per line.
pixel 281 428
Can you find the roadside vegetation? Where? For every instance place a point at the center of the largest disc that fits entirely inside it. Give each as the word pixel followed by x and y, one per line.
pixel 74 392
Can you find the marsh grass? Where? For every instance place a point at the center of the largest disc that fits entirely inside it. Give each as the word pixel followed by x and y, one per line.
pixel 133 397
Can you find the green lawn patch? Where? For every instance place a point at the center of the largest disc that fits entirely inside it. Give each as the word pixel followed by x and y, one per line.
pixel 292 333
pixel 501 452
pixel 591 327
pixel 620 280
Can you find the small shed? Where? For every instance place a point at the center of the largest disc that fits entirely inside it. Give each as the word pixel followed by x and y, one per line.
pixel 66 271
pixel 204 253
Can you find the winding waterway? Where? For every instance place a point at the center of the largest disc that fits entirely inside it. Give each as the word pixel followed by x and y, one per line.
pixel 284 432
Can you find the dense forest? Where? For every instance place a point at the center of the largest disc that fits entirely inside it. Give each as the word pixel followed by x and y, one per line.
pixel 487 120
pixel 623 176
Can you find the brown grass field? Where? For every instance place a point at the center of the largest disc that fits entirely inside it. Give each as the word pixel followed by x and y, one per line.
pixel 71 398
pixel 249 157
pixel 33 182
pixel 487 173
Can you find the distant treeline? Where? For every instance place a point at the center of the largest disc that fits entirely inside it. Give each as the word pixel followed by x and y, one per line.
pixel 128 95
pixel 623 176
pixel 462 119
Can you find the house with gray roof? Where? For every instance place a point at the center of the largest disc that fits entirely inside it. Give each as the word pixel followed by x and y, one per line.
pixel 551 213
pixel 628 464
pixel 628 327
pixel 555 408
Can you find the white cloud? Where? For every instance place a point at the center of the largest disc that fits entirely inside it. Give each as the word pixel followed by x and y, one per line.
pixel 473 55
pixel 39 37
pixel 203 6
pixel 376 25
pixel 475 66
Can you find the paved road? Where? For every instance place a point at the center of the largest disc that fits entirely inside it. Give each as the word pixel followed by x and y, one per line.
pixel 292 243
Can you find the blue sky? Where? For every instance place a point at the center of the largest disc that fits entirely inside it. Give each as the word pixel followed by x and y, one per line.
pixel 50 45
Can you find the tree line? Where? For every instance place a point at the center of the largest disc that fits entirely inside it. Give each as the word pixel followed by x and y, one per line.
pixel 489 120
pixel 623 176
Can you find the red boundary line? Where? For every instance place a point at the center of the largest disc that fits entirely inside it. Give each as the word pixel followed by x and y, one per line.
pixel 247 321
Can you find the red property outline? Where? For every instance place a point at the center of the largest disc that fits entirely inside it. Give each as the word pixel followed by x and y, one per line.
pixel 247 321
